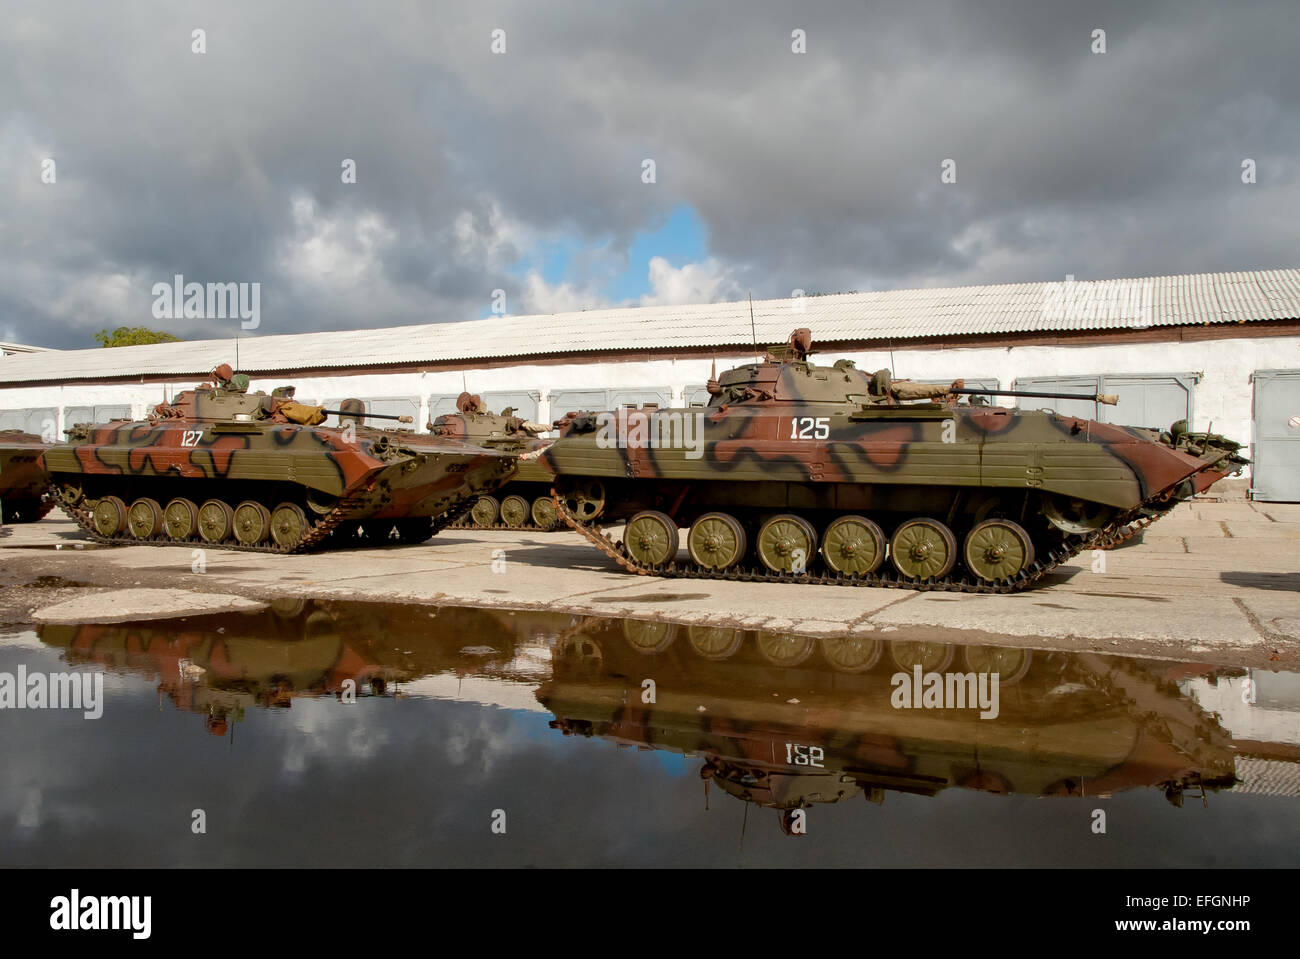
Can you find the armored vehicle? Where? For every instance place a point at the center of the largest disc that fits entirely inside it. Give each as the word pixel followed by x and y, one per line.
pixel 828 474
pixel 818 730
pixel 523 503
pixel 24 487
pixel 220 466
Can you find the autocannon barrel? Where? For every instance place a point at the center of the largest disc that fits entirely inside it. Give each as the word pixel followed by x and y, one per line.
pixel 368 416
pixel 1109 399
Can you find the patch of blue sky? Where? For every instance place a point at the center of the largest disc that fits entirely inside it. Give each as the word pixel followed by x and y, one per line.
pixel 680 238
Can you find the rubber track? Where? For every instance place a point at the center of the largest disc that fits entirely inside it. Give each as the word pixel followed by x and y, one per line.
pixel 1119 530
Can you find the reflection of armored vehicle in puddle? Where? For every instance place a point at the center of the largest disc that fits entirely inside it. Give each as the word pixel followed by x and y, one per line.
pixel 24 487
pixel 219 466
pixel 786 724
pixel 523 503
pixel 827 474
pixel 221 665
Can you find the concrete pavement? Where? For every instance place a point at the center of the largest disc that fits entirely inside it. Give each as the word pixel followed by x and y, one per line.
pixel 1213 582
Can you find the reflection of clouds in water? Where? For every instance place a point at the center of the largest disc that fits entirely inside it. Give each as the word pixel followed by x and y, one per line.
pixel 29 815
pixel 473 741
pixel 25 637
pixel 328 728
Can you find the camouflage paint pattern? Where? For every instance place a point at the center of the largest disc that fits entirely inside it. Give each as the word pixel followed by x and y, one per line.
pixel 531 482
pixel 1118 734
pixel 218 442
pixel 786 436
pixel 23 482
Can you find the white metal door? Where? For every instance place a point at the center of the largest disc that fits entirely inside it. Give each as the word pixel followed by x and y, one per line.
pixel 1275 471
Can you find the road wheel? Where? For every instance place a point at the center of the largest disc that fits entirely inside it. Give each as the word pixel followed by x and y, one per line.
pixel 585 499
pixel 852 654
pixel 252 522
pixel 288 525
pixel 853 545
pixel 923 549
pixel 786 543
pixel 216 521
pixel 714 642
pixel 1009 663
pixel 784 649
pixel 144 518
pixel 651 538
pixel 998 549
pixel 649 637
pixel 543 513
pixel 931 657
pixel 514 511
pixel 109 516
pixel 485 511
pixel 180 519
pixel 716 541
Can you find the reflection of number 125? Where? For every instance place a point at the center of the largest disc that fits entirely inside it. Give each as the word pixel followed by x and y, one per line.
pixel 797 755
pixel 807 428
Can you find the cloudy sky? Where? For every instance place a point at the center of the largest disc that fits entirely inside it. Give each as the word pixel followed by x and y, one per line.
pixel 523 170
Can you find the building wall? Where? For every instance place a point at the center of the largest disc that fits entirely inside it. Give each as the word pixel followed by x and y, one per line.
pixel 1222 396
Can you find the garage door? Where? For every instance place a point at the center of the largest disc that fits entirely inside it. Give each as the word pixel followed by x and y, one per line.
pixel 1276 469
pixel 594 401
pixel 1151 400
pixel 975 384
pixel 578 401
pixel 43 422
pixel 524 402
pixel 94 414
pixel 697 395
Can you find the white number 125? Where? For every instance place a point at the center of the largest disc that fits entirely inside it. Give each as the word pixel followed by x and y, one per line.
pixel 807 428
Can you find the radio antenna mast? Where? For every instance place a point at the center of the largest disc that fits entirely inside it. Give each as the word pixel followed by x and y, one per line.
pixel 753 329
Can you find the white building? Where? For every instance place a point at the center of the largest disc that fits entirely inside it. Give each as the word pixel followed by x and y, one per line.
pixel 1220 349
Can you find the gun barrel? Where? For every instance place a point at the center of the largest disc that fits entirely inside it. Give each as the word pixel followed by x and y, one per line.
pixel 368 416
pixel 1109 399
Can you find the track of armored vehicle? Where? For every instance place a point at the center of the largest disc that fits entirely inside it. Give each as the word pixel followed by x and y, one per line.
pixel 525 502
pixel 24 487
pixel 828 475
pixel 220 467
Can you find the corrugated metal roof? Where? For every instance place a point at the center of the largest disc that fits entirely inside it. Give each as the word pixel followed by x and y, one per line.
pixel 898 315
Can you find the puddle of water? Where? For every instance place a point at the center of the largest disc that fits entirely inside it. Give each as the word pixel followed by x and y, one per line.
pixel 403 730
pixel 53 582
pixel 55 546
pixel 651 598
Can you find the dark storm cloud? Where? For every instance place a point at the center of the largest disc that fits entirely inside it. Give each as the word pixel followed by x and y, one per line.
pixel 818 171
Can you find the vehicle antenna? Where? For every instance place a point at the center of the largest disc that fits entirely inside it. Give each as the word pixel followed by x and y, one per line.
pixel 753 329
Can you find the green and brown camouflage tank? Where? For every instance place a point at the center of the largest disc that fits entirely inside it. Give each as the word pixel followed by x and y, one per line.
pixel 523 503
pixel 808 473
pixel 219 466
pixel 24 487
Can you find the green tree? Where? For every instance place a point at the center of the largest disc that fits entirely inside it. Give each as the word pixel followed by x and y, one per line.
pixel 133 336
